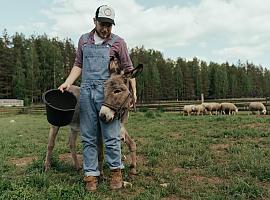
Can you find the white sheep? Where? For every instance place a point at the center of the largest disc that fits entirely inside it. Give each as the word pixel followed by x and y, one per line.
pixel 189 109
pixel 210 107
pixel 229 108
pixel 199 109
pixel 257 107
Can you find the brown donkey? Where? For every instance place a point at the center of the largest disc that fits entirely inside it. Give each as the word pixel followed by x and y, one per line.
pixel 118 98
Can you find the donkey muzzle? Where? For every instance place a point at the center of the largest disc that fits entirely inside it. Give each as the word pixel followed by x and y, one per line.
pixel 106 114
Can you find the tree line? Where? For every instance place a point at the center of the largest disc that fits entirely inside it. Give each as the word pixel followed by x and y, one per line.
pixel 31 66
pixel 181 79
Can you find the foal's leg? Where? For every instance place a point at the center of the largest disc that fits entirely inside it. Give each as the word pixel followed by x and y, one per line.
pixel 72 145
pixel 132 148
pixel 51 142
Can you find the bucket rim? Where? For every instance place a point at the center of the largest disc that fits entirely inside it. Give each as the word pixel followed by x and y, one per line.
pixel 59 109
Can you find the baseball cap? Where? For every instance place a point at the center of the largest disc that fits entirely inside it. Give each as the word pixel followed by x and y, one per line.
pixel 105 13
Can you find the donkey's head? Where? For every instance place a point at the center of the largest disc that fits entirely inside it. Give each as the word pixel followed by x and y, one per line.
pixel 117 94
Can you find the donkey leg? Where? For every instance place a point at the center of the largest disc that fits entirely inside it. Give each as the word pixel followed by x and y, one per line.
pixel 72 145
pixel 51 142
pixel 132 148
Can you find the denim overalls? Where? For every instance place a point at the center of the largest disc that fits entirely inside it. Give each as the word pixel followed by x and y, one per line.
pixel 94 73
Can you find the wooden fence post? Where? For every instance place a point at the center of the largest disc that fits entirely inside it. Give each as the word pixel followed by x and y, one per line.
pixel 202 97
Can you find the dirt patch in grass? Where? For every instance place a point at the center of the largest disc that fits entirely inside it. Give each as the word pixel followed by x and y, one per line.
pixel 21 162
pixel 202 179
pixel 193 174
pixel 260 141
pixel 140 141
pixel 265 185
pixel 180 170
pixel 175 135
pixel 253 125
pixel 219 147
pixel 257 126
pixel 219 152
pixel 255 140
pixel 67 158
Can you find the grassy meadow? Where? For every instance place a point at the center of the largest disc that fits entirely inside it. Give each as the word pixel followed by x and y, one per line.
pixel 179 157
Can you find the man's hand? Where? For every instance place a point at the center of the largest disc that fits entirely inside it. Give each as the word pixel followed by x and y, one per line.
pixel 74 74
pixel 64 86
pixel 134 98
pixel 133 102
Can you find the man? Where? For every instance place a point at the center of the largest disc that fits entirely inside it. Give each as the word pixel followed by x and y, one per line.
pixel 92 60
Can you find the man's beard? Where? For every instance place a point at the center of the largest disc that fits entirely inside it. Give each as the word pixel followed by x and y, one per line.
pixel 103 35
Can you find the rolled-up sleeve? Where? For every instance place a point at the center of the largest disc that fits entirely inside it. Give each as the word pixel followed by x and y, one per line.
pixel 79 54
pixel 120 50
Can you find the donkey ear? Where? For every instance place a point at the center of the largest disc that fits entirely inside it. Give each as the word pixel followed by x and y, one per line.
pixel 114 65
pixel 135 72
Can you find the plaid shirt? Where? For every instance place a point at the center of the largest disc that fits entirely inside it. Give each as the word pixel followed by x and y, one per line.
pixel 118 50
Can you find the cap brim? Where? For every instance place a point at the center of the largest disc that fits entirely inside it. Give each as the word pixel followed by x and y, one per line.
pixel 104 19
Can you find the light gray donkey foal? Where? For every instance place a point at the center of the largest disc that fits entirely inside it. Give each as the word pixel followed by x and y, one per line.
pixel 74 131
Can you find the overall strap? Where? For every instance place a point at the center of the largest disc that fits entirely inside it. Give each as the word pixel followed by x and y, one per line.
pixel 85 37
pixel 114 38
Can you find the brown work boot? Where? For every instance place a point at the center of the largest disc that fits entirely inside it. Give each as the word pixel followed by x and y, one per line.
pixel 90 183
pixel 116 179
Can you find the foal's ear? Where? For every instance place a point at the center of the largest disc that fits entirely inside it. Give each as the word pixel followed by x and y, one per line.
pixel 114 65
pixel 135 72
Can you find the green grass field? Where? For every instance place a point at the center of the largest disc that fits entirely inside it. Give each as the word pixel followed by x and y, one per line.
pixel 179 157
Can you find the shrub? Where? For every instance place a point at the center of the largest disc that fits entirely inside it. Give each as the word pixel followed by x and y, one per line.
pixel 143 109
pixel 150 114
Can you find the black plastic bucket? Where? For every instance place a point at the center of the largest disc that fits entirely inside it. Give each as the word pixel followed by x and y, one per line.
pixel 60 106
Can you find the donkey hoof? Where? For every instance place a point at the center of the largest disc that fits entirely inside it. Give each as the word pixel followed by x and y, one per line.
pixel 133 172
pixel 47 167
pixel 78 167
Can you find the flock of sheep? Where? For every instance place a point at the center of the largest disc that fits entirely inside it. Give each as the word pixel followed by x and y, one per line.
pixel 221 108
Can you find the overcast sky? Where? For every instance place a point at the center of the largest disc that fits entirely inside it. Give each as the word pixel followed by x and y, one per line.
pixel 212 30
